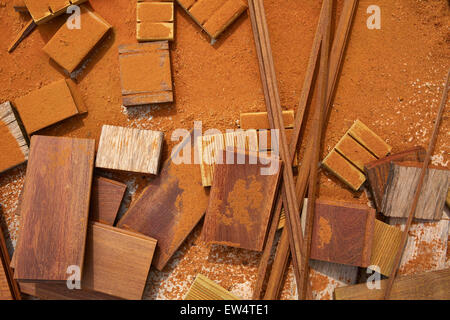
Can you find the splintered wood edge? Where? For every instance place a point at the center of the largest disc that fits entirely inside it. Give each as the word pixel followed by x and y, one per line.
pixel 9 120
pixel 206 289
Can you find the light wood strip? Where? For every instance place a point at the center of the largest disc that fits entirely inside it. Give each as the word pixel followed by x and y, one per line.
pixel 205 289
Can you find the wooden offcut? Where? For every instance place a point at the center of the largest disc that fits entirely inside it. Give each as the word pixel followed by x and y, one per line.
pixel 69 47
pixel 127 149
pixel 205 289
pixel 401 186
pixel 260 120
pixel 59 291
pixel 171 206
pixel 241 203
pixel 344 170
pixel 13 144
pixel 106 198
pixel 424 286
pixel 145 73
pixel 55 208
pixel 377 171
pixel 155 21
pixel 45 10
pixel 369 139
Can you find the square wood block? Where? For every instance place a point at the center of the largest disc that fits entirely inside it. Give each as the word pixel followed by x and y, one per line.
pixel 44 10
pixel 155 21
pixel 69 47
pixel 145 73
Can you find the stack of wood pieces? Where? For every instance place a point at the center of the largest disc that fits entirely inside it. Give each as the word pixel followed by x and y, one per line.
pixel 49 105
pixel 358 146
pixel 13 144
pixel 155 20
pixel 45 10
pixel 213 16
pixel 145 73
pixel 205 289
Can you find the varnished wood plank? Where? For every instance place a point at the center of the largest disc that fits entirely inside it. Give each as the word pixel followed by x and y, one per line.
pixel 354 152
pixel 240 204
pixel 425 286
pixel 369 139
pixel 344 170
pixel 55 208
pixel 145 73
pixel 377 171
pixel 260 120
pixel 45 10
pixel 128 149
pixel 205 289
pixel 402 181
pixel 171 206
pixel 106 198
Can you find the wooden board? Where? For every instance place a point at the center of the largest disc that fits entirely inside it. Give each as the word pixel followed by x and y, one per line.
pixel 55 208
pixel 240 204
pixel 354 152
pixel 69 47
pixel 210 149
pixel 155 21
pixel 128 149
pixel 49 105
pixel 106 198
pixel 205 289
pixel 45 10
pixel 344 170
pixel 342 233
pixel 59 291
pixel 371 141
pixel 171 206
pixel 425 286
pixel 400 189
pixel 213 16
pixel 260 120
pixel 145 73
pixel 377 171
pixel 13 145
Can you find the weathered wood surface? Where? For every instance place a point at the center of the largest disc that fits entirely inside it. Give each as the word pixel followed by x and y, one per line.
pixel 155 21
pixel 45 10
pixel 260 120
pixel 127 149
pixel 172 205
pixel 240 204
pixel 106 198
pixel 401 186
pixel 145 73
pixel 55 208
pixel 205 289
pixel 424 286
pixel 377 171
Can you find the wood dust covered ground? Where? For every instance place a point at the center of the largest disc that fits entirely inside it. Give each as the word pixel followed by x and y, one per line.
pixel 391 80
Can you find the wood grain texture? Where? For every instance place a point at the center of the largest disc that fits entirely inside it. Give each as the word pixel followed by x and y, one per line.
pixel 401 186
pixel 127 149
pixel 106 198
pixel 342 233
pixel 55 208
pixel 205 289
pixel 344 170
pixel 260 120
pixel 240 204
pixel 425 286
pixel 171 206
pixel 369 139
pixel 45 10
pixel 211 146
pixel 377 171
pixel 145 73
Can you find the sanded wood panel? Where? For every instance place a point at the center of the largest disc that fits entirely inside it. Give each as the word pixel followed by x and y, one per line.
pixel 55 208
pixel 106 198
pixel 205 289
pixel 401 186
pixel 171 206
pixel 45 10
pixel 240 204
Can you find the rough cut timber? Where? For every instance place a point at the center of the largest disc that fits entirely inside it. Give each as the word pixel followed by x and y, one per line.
pixel 241 203
pixel 377 171
pixel 13 145
pixel 171 206
pixel 127 149
pixel 358 146
pixel 106 198
pixel 210 149
pixel 69 47
pixel 155 21
pixel 424 286
pixel 260 120
pixel 342 233
pixel 205 289
pixel 145 73
pixel 401 186
pixel 45 10
pixel 213 16
pixel 49 105
pixel 55 208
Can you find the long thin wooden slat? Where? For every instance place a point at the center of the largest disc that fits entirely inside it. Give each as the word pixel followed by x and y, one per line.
pixel 412 212
pixel 25 32
pixel 336 58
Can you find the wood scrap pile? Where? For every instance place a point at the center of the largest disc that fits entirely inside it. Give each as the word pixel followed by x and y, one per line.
pixel 247 184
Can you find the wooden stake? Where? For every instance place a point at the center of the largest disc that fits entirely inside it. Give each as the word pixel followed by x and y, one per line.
pixel 423 172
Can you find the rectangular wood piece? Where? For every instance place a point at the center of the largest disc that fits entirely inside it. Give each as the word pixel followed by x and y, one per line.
pixel 354 152
pixel 155 21
pixel 45 10
pixel 106 198
pixel 372 142
pixel 260 120
pixel 344 170
pixel 205 289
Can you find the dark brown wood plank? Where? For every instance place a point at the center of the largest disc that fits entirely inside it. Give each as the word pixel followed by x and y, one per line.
pixel 106 198
pixel 55 208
